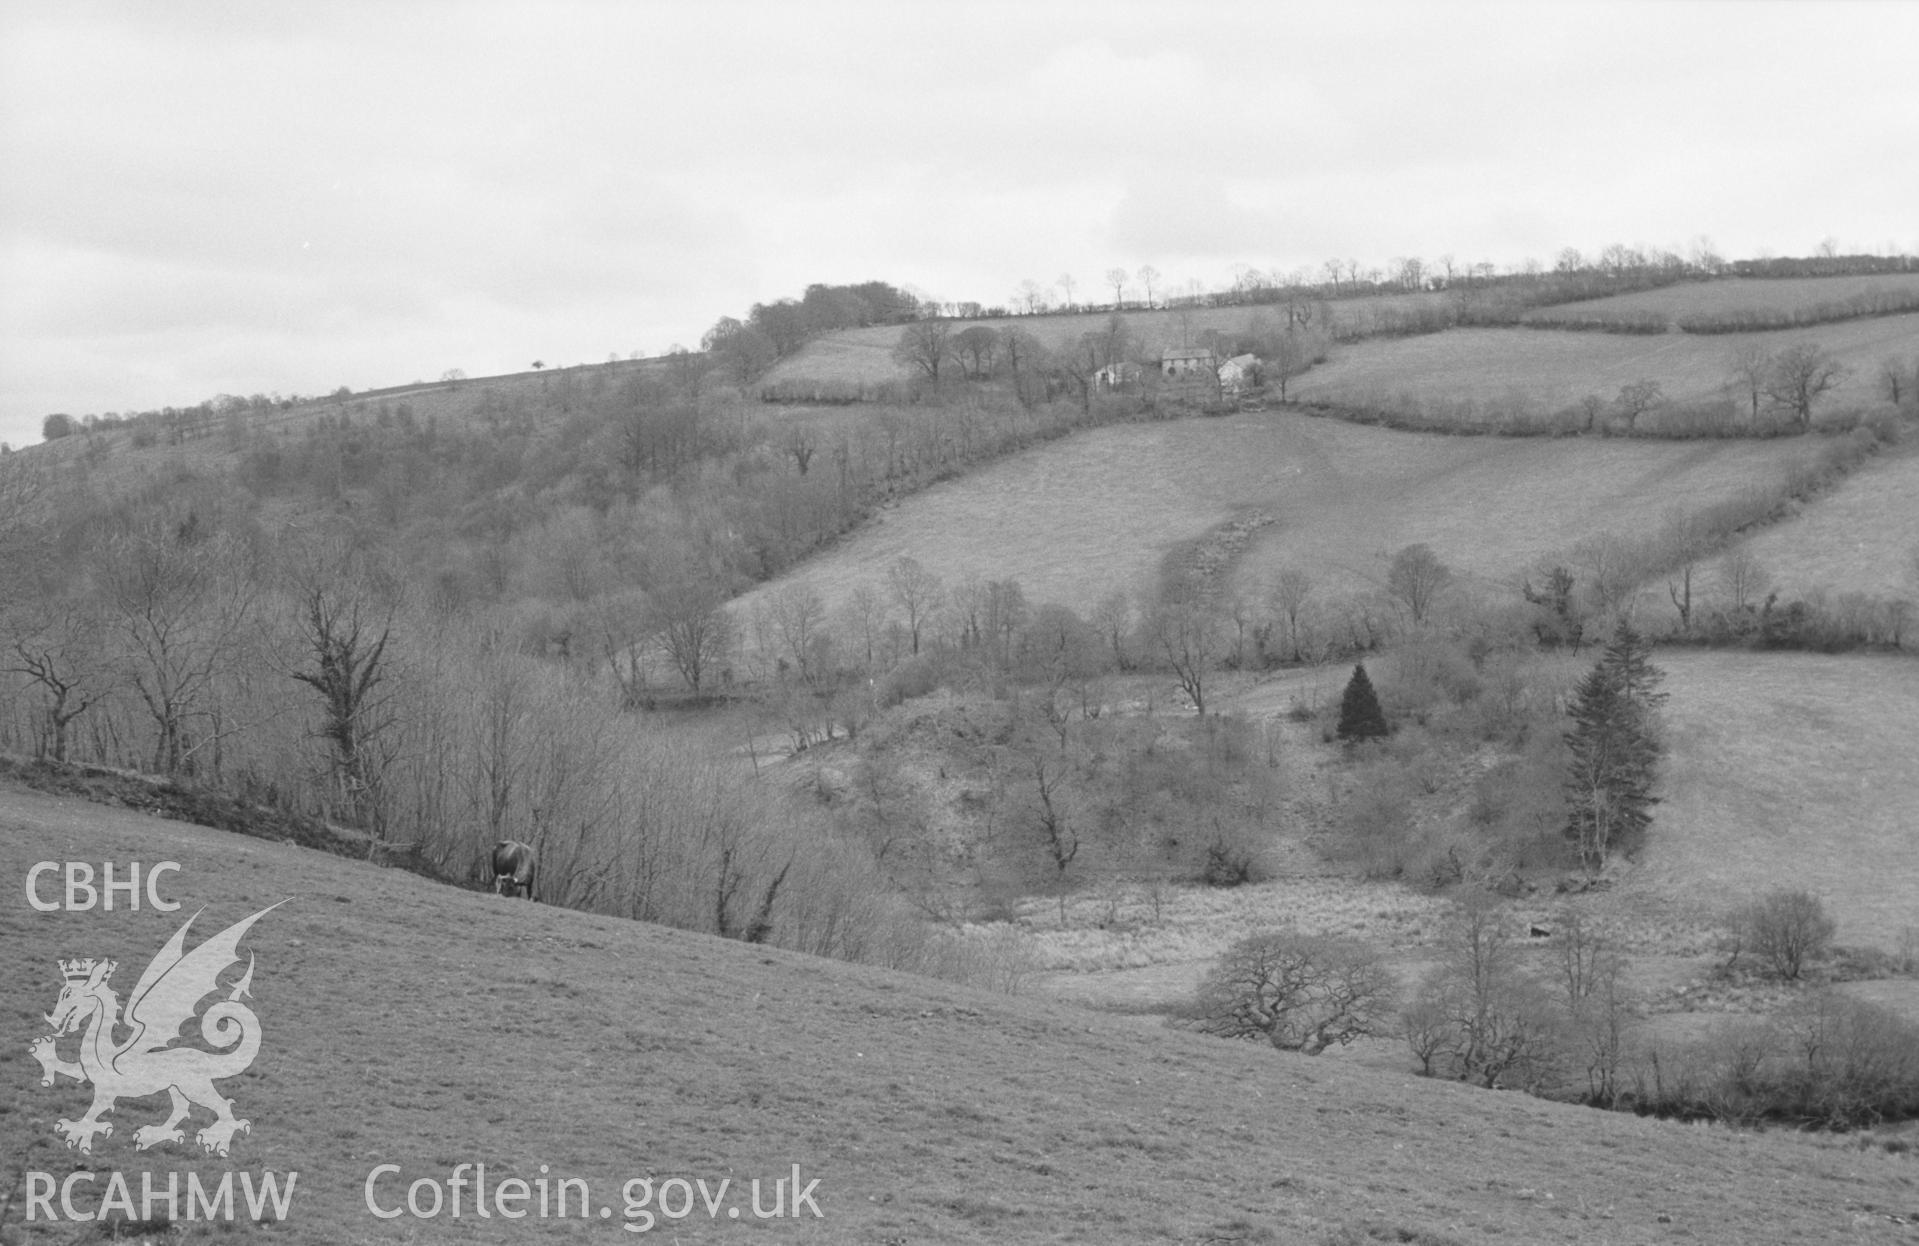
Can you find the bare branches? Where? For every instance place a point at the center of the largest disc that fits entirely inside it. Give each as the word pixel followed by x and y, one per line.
pixel 925 345
pixel 1800 375
pixel 1297 992
pixel 1417 578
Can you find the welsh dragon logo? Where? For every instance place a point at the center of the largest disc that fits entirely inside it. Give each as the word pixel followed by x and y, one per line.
pixel 145 1063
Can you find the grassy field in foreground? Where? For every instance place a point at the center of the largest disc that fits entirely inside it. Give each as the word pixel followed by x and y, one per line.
pixel 410 1024
pixel 1792 770
pixel 1546 371
pixel 1074 519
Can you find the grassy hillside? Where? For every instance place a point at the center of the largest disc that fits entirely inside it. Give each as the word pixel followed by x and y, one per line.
pixel 1075 519
pixel 1792 769
pixel 543 396
pixel 422 1026
pixel 1861 537
pixel 1539 371
pixel 1731 295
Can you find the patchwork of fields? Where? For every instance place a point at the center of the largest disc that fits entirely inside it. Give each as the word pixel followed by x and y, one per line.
pixel 866 355
pixel 1539 370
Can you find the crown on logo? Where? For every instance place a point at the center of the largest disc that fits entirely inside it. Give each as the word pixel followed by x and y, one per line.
pixel 78 970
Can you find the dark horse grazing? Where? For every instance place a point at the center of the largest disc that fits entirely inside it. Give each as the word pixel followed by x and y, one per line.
pixel 512 864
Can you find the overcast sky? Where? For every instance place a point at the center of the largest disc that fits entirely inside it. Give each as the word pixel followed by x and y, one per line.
pixel 207 198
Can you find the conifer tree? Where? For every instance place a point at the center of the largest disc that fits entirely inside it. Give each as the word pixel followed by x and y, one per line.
pixel 1360 717
pixel 1615 749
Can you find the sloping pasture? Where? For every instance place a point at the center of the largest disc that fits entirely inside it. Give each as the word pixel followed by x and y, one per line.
pixel 1861 537
pixel 1489 507
pixel 1537 372
pixel 416 1025
pixel 1791 770
pixel 1075 519
pixel 1730 295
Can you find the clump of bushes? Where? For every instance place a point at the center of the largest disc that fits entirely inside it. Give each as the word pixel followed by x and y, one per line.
pixel 1232 860
pixel 825 392
pixel 1377 826
pixel 1489 1016
pixel 1829 1062
pixel 1611 321
pixel 1786 930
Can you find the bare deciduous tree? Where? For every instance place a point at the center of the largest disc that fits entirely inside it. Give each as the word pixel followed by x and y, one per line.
pixel 1058 837
pixel 1598 1004
pixel 1786 928
pixel 925 345
pixel 861 617
pixel 1113 619
pixel 1683 541
pixel 1116 277
pixel 182 605
pixel 1613 568
pixel 918 592
pixel 977 347
pixel 799 617
pixel 1481 1018
pixel 1636 399
pixel 1061 652
pixel 1186 633
pixel 1025 357
pixel 1750 366
pixel 1292 353
pixel 1297 992
pixel 57 644
pixel 1288 597
pixel 1742 578
pixel 1800 375
pixel 1416 579
pixel 1148 277
pixel 686 617
pixel 343 634
pixel 1896 379
pixel 799 443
